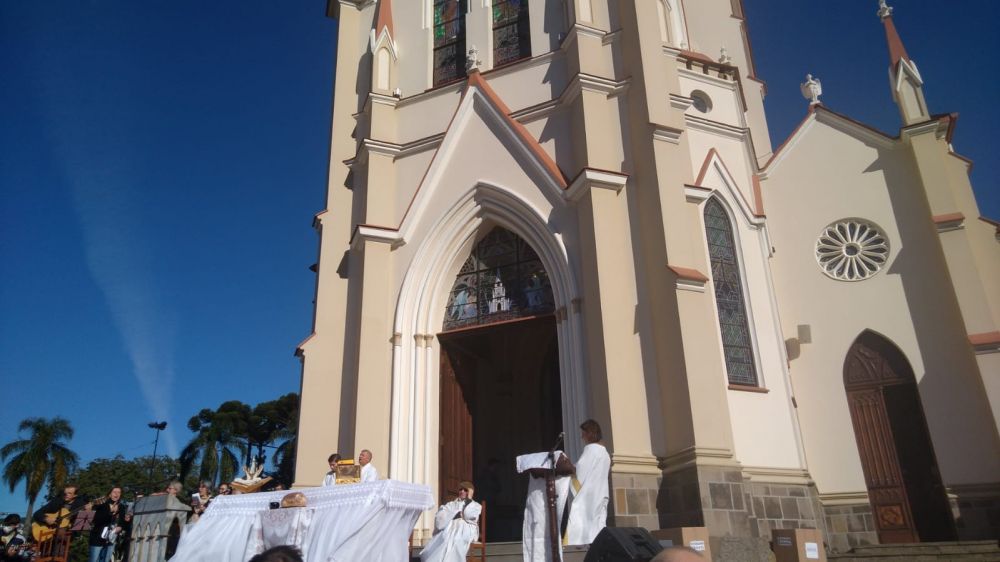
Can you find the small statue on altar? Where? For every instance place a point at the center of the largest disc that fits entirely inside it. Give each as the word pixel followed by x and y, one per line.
pixel 252 481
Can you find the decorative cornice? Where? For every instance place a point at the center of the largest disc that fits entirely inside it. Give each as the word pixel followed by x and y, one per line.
pixel 777 475
pixel 985 343
pixel 948 222
pixel 593 178
pixel 300 350
pixel 698 456
pixel 634 464
pixel 664 133
pixel 371 233
pixel 844 498
pixel 682 103
pixel 689 279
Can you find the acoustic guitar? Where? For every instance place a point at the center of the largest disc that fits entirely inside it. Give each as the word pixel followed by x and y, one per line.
pixel 44 531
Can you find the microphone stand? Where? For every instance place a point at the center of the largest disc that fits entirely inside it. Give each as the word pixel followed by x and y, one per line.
pixel 550 494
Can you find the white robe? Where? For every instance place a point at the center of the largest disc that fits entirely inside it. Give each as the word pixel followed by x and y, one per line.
pixel 330 479
pixel 535 542
pixel 452 536
pixel 588 512
pixel 369 473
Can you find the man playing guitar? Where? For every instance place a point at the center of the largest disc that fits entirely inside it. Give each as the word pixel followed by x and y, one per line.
pixel 58 513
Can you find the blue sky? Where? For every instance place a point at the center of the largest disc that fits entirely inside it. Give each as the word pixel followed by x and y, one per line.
pixel 160 163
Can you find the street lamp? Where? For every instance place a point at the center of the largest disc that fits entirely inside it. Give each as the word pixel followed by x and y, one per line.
pixel 158 426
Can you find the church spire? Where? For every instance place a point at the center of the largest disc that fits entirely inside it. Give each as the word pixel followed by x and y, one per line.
pixel 897 51
pixel 384 20
pixel 904 78
pixel 384 51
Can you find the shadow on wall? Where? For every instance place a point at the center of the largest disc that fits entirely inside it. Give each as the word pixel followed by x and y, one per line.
pixel 950 388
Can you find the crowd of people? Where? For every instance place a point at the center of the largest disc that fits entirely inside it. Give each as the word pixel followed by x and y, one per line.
pixel 105 521
pixel 582 489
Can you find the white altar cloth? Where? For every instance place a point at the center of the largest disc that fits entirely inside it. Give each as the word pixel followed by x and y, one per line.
pixel 369 521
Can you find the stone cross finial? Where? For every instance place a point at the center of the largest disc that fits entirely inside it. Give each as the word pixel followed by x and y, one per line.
pixel 812 89
pixel 884 10
pixel 472 61
pixel 724 57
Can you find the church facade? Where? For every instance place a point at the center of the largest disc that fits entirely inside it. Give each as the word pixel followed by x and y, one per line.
pixel 545 211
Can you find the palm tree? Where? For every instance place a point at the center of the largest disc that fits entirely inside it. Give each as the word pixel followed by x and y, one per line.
pixel 43 458
pixel 217 446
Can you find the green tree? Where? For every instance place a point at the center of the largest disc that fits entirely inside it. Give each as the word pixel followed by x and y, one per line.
pixel 278 423
pixel 42 458
pixel 131 474
pixel 219 442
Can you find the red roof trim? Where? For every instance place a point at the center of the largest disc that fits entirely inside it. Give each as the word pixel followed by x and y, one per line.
pixel 688 274
pixel 897 51
pixel 757 208
pixel 384 17
pixel 815 109
pixel 990 221
pixel 475 79
pixel 704 167
pixel 950 217
pixel 988 338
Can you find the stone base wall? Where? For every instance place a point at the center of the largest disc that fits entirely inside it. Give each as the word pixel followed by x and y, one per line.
pixel 634 500
pixel 784 506
pixel 849 525
pixel 976 512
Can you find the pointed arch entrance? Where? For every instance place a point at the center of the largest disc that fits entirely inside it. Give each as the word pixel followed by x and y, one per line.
pixel 499 376
pixel 904 485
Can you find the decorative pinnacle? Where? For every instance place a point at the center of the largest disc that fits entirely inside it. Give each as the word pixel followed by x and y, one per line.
pixel 472 61
pixel 812 89
pixel 884 10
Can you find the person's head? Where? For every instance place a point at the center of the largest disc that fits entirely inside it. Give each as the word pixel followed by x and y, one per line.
pixel 332 460
pixel 174 488
pixel 284 553
pixel 224 489
pixel 590 432
pixel 115 493
pixel 678 554
pixel 11 522
pixel 465 490
pixel 204 488
pixel 365 457
pixel 69 492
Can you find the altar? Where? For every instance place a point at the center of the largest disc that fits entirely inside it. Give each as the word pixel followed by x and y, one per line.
pixel 369 521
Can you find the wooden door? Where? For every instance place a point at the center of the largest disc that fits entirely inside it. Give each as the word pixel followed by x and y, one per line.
pixel 897 457
pixel 455 435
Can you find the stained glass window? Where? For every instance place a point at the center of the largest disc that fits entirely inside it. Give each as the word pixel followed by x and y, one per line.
pixel 449 40
pixel 503 279
pixel 511 34
pixel 736 343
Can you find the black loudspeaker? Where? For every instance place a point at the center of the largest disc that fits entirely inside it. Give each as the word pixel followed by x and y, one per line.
pixel 623 544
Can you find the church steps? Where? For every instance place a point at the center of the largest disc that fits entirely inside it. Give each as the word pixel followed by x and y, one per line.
pixel 511 552
pixel 921 552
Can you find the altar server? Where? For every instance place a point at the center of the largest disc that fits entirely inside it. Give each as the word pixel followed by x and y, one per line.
pixel 331 477
pixel 456 525
pixel 588 512
pixel 368 471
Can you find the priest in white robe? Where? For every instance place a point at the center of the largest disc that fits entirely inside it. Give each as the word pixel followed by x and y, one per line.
pixel 368 471
pixel 588 512
pixel 536 543
pixel 456 526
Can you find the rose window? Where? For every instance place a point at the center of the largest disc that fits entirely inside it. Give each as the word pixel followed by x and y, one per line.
pixel 852 250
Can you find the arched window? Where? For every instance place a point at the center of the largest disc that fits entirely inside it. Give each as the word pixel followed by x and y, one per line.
pixel 449 40
pixel 503 279
pixel 736 343
pixel 511 33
